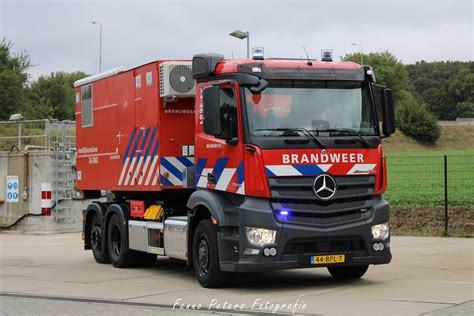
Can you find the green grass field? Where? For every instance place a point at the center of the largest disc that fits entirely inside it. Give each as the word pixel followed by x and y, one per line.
pixel 416 179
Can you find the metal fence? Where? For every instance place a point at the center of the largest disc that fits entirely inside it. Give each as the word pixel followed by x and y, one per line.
pixel 432 182
pixel 27 135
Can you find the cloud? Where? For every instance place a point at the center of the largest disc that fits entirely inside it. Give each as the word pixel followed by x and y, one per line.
pixel 59 35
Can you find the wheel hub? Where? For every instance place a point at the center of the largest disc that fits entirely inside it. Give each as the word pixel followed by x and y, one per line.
pixel 96 238
pixel 203 256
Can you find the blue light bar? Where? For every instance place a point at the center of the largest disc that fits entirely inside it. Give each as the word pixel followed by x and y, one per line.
pixel 283 213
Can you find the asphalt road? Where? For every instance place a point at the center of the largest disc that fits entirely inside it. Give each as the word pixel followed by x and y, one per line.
pixel 51 274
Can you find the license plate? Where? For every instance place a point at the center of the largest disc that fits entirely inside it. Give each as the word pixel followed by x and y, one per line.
pixel 328 259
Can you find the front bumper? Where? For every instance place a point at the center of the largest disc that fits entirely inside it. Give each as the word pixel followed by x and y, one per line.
pixel 295 243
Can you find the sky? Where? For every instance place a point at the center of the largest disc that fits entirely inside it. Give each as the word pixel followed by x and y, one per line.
pixel 59 35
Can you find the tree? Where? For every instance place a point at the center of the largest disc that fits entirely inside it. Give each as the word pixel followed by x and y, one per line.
pixel 13 79
pixel 447 88
pixel 414 120
pixel 53 96
pixel 388 71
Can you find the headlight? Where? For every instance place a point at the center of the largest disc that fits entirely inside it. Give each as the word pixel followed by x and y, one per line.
pixel 381 231
pixel 260 236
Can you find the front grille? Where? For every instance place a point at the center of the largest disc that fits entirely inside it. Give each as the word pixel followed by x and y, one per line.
pixel 295 194
pixel 326 245
pixel 301 188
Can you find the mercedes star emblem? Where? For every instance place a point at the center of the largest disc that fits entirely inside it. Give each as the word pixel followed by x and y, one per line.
pixel 324 186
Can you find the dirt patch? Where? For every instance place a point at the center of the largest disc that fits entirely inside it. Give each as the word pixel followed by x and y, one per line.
pixel 430 222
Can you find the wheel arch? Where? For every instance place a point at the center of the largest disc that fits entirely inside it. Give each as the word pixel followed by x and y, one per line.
pixel 94 209
pixel 204 204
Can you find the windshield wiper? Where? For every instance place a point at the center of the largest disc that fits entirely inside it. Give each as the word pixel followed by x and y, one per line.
pixel 302 130
pixel 350 130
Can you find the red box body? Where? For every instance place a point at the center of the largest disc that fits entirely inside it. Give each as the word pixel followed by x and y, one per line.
pixel 131 131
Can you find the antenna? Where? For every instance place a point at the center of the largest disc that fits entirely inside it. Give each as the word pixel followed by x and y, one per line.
pixel 309 63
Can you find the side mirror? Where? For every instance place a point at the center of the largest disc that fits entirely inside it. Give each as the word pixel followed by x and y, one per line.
pixel 388 112
pixel 212 111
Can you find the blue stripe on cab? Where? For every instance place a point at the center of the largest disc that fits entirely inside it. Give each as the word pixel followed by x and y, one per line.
pixel 240 172
pixel 219 167
pixel 308 170
pixel 165 163
pixel 201 163
pixel 269 172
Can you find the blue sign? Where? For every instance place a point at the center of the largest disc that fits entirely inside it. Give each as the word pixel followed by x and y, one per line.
pixel 12 189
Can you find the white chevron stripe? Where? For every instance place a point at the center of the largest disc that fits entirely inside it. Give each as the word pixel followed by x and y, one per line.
pixel 124 168
pixel 362 168
pixel 202 183
pixel 145 167
pixel 140 161
pixel 325 167
pixel 176 163
pixel 225 178
pixel 156 175
pixel 130 170
pixel 241 190
pixel 283 170
pixel 171 177
pixel 152 169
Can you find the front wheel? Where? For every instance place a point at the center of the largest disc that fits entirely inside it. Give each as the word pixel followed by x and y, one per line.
pixel 206 257
pixel 350 272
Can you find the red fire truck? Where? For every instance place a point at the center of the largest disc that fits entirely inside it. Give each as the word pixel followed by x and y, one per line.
pixel 236 165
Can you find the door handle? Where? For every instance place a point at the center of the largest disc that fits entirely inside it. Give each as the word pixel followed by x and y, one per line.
pixel 211 178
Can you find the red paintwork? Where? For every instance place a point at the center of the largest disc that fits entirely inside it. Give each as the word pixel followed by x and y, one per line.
pixel 120 108
pixel 229 66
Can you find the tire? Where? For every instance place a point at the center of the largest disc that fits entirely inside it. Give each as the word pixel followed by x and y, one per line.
pixel 205 256
pixel 351 272
pixel 116 238
pixel 98 244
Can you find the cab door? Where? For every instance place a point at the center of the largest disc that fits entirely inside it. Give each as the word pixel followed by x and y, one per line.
pixel 223 168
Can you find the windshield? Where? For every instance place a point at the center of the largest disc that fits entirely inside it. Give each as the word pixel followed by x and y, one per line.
pixel 325 107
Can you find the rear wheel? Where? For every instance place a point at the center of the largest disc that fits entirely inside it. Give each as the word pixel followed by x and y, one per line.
pixel 116 239
pixel 98 245
pixel 350 272
pixel 206 257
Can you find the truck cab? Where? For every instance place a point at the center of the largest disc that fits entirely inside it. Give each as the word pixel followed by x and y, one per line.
pixel 290 153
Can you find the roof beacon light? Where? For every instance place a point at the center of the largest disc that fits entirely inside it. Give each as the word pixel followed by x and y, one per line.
pixel 326 55
pixel 257 53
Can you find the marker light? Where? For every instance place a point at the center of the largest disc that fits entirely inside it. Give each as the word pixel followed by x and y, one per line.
pixel 257 53
pixel 260 236
pixel 381 231
pixel 326 55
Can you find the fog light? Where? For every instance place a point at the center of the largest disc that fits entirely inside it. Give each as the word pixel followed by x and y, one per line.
pixel 378 246
pixel 380 231
pixel 260 236
pixel 251 251
pixel 269 252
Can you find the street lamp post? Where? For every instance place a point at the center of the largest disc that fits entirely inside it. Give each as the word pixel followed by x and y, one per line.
pixel 361 52
pixel 100 44
pixel 242 35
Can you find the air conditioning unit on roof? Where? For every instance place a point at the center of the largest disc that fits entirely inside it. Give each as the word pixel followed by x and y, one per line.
pixel 176 79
